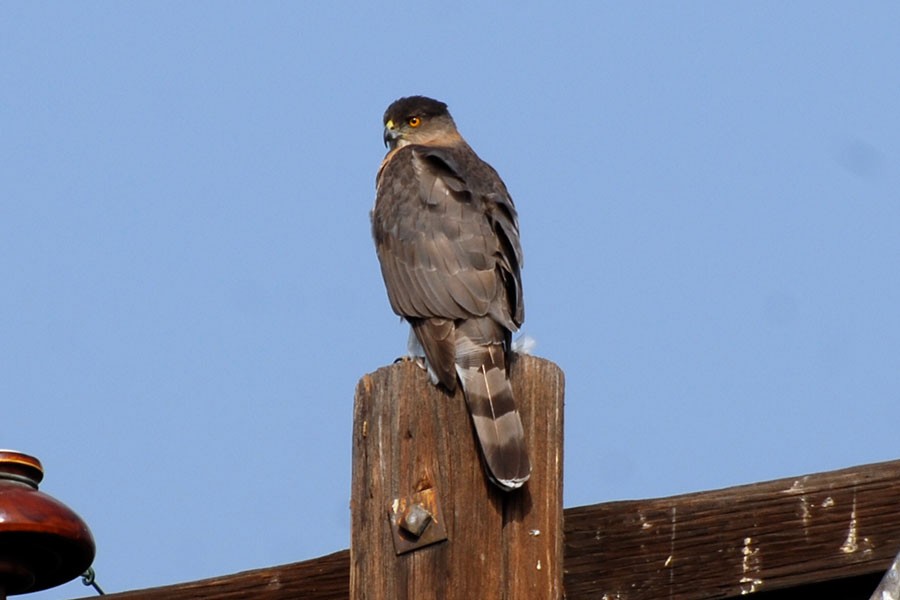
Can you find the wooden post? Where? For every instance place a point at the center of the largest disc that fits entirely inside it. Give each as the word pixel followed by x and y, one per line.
pixel 409 436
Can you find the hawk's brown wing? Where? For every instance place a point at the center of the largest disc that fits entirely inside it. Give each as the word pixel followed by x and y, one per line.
pixel 447 238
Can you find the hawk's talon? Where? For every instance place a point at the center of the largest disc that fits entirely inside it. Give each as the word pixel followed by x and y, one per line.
pixel 420 361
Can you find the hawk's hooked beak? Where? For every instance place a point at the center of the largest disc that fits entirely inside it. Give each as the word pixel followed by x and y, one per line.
pixel 391 133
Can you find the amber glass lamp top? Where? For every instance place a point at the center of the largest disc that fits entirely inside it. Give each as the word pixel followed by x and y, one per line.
pixel 42 542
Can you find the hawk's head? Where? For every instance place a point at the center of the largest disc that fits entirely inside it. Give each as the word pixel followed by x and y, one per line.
pixel 418 120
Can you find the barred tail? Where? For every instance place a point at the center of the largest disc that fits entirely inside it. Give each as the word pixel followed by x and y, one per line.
pixel 481 367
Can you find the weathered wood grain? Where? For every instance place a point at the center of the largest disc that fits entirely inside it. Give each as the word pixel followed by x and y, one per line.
pixel 410 435
pixel 736 541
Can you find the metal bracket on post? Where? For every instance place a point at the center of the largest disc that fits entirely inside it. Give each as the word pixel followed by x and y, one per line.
pixel 416 521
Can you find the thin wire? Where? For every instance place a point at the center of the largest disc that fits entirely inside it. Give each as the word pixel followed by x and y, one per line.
pixel 89 578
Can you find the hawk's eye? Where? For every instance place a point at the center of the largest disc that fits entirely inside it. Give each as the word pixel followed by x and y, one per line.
pixel 414 121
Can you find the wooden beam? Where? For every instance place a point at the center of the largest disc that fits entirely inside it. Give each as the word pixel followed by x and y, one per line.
pixel 736 541
pixel 411 436
pixel 323 578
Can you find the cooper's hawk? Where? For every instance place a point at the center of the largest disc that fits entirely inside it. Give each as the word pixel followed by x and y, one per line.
pixel 447 238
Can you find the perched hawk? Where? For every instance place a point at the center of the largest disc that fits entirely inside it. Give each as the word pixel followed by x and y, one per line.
pixel 447 238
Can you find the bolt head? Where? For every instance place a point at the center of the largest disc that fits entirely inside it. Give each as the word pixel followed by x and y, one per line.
pixel 415 520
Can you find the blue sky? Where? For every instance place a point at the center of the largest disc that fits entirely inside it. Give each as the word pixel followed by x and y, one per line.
pixel 709 207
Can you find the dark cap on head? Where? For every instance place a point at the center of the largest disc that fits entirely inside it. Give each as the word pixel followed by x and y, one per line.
pixel 414 106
